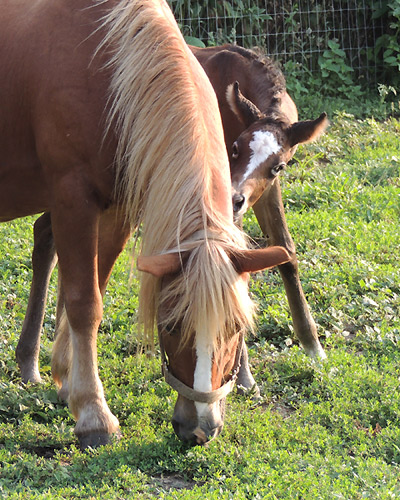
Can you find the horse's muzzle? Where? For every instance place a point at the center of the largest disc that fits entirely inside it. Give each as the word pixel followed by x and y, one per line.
pixel 198 435
pixel 191 428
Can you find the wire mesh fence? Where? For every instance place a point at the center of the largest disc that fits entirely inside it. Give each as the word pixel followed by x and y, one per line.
pixel 298 32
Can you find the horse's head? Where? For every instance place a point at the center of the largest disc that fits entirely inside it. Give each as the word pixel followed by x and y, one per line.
pixel 201 372
pixel 263 149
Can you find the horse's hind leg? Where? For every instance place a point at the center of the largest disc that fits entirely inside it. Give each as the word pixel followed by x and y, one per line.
pixel 271 217
pixel 61 357
pixel 43 262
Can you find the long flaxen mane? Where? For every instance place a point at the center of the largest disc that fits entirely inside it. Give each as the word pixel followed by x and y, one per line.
pixel 170 153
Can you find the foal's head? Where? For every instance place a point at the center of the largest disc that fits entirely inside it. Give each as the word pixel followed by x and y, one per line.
pixel 263 149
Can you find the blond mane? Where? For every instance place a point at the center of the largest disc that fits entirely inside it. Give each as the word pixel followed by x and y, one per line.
pixel 170 157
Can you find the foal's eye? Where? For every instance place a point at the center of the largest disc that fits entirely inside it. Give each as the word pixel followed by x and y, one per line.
pixel 275 170
pixel 235 150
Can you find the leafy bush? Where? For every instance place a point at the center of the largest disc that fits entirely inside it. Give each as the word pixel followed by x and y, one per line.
pixel 340 49
pixel 388 45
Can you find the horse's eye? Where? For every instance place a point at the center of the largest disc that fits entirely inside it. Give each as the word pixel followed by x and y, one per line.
pixel 275 170
pixel 170 330
pixel 235 150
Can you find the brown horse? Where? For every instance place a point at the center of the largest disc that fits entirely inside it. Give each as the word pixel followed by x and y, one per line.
pixel 267 110
pixel 108 122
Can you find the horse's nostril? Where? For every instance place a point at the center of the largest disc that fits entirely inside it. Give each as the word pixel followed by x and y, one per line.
pixel 238 201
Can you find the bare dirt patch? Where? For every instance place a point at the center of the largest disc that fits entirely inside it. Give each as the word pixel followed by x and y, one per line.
pixel 174 482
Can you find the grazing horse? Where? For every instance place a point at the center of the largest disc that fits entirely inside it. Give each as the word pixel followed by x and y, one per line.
pixel 108 122
pixel 267 111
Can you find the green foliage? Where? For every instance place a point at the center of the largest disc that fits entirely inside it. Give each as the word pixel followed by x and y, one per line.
pixel 335 72
pixel 387 47
pixel 320 431
pixel 335 76
pixel 216 22
pixel 317 60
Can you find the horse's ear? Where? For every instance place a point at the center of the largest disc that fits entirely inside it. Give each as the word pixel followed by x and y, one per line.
pixel 245 110
pixel 160 265
pixel 307 131
pixel 251 261
pixel 244 261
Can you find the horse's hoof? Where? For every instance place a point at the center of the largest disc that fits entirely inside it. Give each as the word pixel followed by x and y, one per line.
pixel 252 392
pixel 96 439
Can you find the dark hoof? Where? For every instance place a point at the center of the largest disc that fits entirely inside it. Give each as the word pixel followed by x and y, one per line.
pixel 96 439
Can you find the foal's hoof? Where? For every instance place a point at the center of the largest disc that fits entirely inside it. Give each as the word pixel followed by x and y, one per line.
pixel 30 376
pixel 96 439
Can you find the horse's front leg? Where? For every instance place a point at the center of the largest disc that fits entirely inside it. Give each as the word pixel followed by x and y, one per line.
pixel 43 262
pixel 271 217
pixel 75 222
pixel 113 234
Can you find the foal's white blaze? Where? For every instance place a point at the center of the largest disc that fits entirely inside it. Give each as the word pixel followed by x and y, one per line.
pixel 263 145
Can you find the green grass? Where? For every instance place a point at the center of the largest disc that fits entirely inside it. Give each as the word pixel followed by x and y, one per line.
pixel 320 431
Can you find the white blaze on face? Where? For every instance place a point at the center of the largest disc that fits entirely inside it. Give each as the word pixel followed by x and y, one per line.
pixel 263 145
pixel 202 375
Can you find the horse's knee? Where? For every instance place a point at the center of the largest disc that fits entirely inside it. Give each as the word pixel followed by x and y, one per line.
pixel 84 311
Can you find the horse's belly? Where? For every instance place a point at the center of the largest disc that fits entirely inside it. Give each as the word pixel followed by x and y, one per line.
pixel 22 192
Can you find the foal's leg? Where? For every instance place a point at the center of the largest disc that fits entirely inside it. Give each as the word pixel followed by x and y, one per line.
pixel 43 262
pixel 113 235
pixel 271 217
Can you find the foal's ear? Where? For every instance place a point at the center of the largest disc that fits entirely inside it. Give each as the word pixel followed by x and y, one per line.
pixel 307 131
pixel 245 110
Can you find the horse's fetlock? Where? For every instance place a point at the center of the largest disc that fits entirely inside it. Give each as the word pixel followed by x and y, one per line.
pixel 94 418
